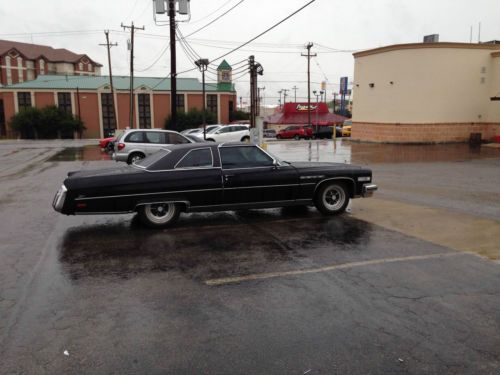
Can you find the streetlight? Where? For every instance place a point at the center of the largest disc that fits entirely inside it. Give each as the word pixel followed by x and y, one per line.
pixel 317 99
pixel 202 65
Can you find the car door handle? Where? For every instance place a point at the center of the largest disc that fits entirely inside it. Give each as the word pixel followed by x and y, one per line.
pixel 227 177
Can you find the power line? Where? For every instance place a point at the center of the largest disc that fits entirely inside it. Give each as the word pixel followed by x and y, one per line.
pixel 216 19
pixel 256 37
pixel 208 15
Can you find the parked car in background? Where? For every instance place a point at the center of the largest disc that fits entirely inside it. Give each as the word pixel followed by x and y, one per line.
pixel 228 133
pixel 346 128
pixel 269 133
pixel 107 144
pixel 135 144
pixel 200 129
pixel 193 138
pixel 296 132
pixel 211 177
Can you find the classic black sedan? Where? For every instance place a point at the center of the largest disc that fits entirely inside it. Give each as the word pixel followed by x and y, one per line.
pixel 211 177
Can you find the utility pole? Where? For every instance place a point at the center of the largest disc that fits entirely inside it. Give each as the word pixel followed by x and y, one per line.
pixel 202 64
pixel 241 103
pixel 295 88
pixel 309 55
pixel 258 99
pixel 132 31
pixel 108 46
pixel 255 68
pixel 279 92
pixel 285 95
pixel 173 66
pixel 334 102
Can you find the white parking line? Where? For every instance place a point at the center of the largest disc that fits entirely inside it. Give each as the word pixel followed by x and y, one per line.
pixel 270 275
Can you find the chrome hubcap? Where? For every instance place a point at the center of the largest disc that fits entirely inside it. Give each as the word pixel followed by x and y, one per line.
pixel 160 213
pixel 334 198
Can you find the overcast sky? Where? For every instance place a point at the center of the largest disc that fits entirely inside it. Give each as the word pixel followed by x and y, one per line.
pixel 337 28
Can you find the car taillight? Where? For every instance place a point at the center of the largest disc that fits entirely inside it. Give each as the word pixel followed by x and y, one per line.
pixel 121 146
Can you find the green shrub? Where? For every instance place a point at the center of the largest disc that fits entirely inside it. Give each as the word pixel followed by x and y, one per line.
pixel 48 122
pixel 192 119
pixel 238 116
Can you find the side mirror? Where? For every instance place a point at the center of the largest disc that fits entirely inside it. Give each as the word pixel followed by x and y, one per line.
pixel 276 165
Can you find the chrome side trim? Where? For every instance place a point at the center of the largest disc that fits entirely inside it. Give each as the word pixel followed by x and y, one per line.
pixel 196 149
pixel 259 187
pixel 145 194
pixel 183 169
pixel 250 203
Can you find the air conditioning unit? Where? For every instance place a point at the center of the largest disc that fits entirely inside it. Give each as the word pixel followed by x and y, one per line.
pixel 433 38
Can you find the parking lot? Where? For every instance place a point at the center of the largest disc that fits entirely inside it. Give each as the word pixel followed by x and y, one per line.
pixel 404 282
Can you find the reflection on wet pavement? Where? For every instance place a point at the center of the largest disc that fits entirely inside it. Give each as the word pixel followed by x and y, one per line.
pixel 346 151
pixel 239 243
pixel 85 153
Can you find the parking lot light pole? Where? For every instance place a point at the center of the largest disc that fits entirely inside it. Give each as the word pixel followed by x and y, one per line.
pixel 202 64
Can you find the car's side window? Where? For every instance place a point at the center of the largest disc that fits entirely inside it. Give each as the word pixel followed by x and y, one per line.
pixel 224 129
pixel 244 157
pixel 135 137
pixel 175 139
pixel 155 137
pixel 200 158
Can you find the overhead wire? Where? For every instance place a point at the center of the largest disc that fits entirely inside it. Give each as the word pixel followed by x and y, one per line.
pixel 214 20
pixel 208 15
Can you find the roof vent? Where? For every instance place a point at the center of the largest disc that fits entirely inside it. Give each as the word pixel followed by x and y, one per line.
pixel 433 38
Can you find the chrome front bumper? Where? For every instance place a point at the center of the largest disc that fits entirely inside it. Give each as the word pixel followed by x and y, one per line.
pixel 59 199
pixel 368 190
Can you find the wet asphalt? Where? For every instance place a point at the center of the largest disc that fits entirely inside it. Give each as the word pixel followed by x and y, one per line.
pixel 281 291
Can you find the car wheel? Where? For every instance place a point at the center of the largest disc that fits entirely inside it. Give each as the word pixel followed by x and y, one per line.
pixel 159 215
pixel 136 156
pixel 332 198
pixel 296 137
pixel 278 136
pixel 245 139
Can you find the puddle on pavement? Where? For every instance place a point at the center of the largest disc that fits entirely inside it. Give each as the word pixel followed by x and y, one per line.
pixel 208 245
pixel 346 151
pixel 85 153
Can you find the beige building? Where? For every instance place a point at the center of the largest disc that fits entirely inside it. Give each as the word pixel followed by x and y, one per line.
pixel 427 92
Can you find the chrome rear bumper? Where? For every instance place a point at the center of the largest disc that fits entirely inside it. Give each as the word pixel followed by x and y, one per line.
pixel 58 201
pixel 368 190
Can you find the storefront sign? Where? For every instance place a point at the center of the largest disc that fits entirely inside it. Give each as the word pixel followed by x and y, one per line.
pixel 303 107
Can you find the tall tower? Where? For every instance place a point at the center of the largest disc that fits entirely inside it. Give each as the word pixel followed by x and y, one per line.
pixel 224 76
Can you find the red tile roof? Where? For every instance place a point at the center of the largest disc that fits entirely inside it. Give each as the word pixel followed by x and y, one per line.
pixel 34 51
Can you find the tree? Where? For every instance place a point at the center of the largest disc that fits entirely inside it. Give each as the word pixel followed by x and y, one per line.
pixel 48 122
pixel 192 119
pixel 238 115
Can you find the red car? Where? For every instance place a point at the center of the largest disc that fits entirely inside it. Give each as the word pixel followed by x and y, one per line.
pixel 296 132
pixel 104 143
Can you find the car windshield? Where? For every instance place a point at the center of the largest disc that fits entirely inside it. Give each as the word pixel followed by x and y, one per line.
pixel 150 160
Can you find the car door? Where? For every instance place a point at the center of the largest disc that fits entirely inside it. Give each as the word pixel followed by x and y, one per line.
pixel 154 141
pixel 252 176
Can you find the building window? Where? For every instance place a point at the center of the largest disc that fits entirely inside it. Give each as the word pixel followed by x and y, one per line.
pixel 64 101
pixel 212 103
pixel 23 100
pixel 108 115
pixel 144 111
pixel 20 69
pixel 179 100
pixel 231 106
pixel 89 67
pixel 9 71
pixel 42 66
pixel 30 67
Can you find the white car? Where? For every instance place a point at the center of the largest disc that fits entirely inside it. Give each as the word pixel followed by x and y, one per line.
pixel 197 131
pixel 228 133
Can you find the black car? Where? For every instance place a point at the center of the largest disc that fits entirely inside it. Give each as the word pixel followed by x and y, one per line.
pixel 211 177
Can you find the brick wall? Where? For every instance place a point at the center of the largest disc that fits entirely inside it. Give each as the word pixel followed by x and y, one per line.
pixel 422 133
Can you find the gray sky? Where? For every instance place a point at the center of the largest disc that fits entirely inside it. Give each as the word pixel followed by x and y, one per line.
pixel 335 27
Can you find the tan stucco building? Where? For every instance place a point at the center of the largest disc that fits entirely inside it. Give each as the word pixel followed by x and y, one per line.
pixel 427 92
